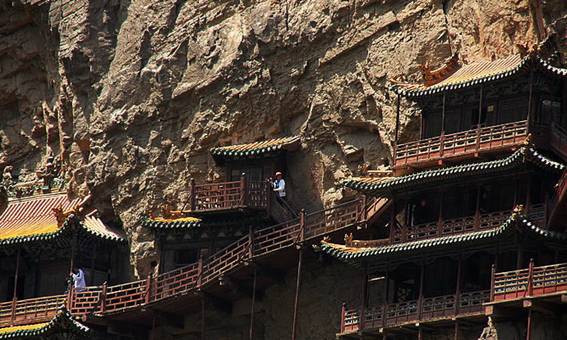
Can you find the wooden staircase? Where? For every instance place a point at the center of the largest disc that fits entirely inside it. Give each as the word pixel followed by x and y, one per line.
pixel 180 287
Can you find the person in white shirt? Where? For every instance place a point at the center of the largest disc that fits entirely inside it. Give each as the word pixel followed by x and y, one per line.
pixel 78 279
pixel 279 186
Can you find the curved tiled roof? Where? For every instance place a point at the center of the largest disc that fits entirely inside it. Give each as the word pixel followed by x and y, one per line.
pixel 33 219
pixel 477 73
pixel 256 149
pixel 384 186
pixel 63 321
pixel 354 254
pixel 184 223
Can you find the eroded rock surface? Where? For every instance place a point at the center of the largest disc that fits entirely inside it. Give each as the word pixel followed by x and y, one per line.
pixel 133 93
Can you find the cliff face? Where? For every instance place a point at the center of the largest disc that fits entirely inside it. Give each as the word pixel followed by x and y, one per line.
pixel 133 93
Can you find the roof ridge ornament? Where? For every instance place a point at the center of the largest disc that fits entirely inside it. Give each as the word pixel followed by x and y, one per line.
pixel 434 76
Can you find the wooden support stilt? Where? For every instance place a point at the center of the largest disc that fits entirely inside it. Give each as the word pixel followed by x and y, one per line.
pixel 251 331
pixel 458 286
pixel 420 298
pixel 363 296
pixel 419 333
pixel 203 337
pixel 529 326
pixel 15 292
pixel 456 330
pixel 296 302
pixel 93 263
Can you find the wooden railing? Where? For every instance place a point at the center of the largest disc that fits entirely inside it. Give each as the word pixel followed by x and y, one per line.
pixel 421 310
pixel 229 195
pixel 20 312
pixel 529 282
pixel 461 143
pixel 451 227
pixel 103 300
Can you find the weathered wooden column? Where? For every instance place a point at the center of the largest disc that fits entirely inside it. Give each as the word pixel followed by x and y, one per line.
pixel 73 249
pixel 530 99
pixel 15 292
pixel 203 337
pixel 458 285
pixel 440 217
pixel 192 197
pixel 386 292
pixel 457 330
pixel 251 331
pixel 363 294
pixel 397 131
pixel 529 325
pixel 442 134
pixel 479 120
pixel 492 282
pixel 251 256
pixel 299 246
pixel 93 264
pixel 420 298
pixel 477 208
pixel 243 190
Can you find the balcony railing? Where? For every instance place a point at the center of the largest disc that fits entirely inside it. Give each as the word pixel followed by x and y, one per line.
pixel 451 227
pixel 104 300
pixel 421 310
pixel 489 138
pixel 530 282
pixel 229 195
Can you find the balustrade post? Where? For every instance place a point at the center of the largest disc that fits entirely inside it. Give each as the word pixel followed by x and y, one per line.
pixel 200 272
pixel 243 190
pixel 148 288
pixel 103 297
pixel 250 242
pixel 192 195
pixel 364 209
pixel 530 278
pixel 301 226
pixel 492 282
pixel 343 315
pixel 13 312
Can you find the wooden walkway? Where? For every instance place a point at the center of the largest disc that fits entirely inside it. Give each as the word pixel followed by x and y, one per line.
pixel 106 300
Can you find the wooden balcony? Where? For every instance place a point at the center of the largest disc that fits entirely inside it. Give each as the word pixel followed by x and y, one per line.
pixel 451 226
pixel 116 299
pixel 423 310
pixel 233 195
pixel 432 151
pixel 532 282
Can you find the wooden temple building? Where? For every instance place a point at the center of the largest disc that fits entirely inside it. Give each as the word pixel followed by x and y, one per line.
pixel 476 223
pixel 469 224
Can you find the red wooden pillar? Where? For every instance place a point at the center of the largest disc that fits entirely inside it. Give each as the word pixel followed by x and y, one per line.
pixel 251 330
pixel 457 330
pixel 148 288
pixel 458 288
pixel 203 337
pixel 192 195
pixel 343 315
pixel 386 292
pixel 200 272
pixel 296 301
pixel 103 297
pixel 299 246
pixel 420 298
pixel 529 325
pixel 492 282
pixel 15 292
pixel 243 190
pixel 530 278
pixel 363 297
pixel 364 212
pixel 440 218
pixel 251 244
pixel 479 119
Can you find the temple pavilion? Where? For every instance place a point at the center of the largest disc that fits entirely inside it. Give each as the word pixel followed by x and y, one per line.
pixel 473 227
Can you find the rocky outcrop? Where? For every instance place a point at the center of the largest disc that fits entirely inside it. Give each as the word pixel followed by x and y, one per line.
pixel 132 93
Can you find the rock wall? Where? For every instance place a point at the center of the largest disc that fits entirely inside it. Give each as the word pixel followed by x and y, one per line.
pixel 133 93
